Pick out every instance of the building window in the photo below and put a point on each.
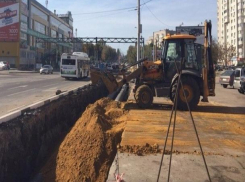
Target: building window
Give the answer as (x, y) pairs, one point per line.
(39, 13)
(53, 33)
(60, 25)
(24, 1)
(39, 27)
(23, 18)
(23, 36)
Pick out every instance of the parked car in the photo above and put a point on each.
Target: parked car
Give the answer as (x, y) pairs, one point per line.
(220, 68)
(4, 65)
(46, 69)
(109, 67)
(227, 78)
(242, 87)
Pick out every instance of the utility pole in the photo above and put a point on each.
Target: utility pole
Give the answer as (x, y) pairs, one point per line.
(139, 31)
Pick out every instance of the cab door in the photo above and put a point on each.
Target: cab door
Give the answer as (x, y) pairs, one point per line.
(171, 55)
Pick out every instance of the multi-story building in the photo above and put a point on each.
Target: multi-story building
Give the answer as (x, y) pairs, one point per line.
(23, 23)
(231, 25)
(156, 41)
(157, 37)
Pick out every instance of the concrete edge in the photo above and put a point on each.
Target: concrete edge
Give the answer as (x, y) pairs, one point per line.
(17, 113)
(10, 116)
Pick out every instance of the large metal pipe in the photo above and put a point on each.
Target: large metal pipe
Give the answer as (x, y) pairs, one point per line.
(123, 93)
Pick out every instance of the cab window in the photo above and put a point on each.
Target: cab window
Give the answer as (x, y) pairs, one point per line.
(190, 54)
(173, 51)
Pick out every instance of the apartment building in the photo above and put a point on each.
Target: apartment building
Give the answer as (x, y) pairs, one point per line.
(231, 26)
(24, 25)
(157, 37)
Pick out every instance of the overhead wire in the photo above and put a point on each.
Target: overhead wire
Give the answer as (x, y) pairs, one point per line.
(156, 16)
(113, 10)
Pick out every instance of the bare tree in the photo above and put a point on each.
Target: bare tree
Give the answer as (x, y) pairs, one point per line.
(226, 52)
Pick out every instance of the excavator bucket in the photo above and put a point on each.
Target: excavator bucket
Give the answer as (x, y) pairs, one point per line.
(107, 78)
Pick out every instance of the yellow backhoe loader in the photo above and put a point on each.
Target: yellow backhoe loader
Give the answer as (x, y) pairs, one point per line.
(159, 79)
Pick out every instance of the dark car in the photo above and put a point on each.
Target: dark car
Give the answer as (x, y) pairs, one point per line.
(227, 78)
(242, 87)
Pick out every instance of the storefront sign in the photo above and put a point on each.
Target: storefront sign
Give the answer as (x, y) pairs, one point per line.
(23, 27)
(9, 21)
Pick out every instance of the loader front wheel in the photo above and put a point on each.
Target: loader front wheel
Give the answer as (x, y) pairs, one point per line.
(192, 93)
(144, 96)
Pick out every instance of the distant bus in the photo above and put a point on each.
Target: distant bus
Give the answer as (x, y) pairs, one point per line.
(75, 65)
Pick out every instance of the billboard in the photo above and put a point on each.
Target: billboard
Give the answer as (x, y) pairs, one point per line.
(9, 22)
(197, 31)
(192, 30)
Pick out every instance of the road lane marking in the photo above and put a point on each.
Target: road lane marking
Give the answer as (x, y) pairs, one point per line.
(50, 84)
(50, 89)
(22, 86)
(21, 92)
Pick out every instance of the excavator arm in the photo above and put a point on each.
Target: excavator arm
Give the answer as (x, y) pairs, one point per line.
(110, 81)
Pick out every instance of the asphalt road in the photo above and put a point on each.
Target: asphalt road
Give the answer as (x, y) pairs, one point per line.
(18, 90)
(227, 96)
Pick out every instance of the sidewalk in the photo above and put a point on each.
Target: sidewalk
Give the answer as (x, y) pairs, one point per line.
(11, 71)
(221, 134)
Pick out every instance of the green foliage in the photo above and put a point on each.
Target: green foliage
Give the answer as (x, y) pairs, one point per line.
(101, 52)
(132, 54)
(108, 54)
(148, 52)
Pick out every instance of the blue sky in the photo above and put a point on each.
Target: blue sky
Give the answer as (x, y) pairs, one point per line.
(155, 15)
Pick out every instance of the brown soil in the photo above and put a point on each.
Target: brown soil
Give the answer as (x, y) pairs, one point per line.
(87, 152)
(140, 150)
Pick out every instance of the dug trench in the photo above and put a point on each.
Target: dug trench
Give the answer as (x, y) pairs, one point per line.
(56, 143)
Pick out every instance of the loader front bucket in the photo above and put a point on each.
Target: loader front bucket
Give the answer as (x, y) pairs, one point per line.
(107, 78)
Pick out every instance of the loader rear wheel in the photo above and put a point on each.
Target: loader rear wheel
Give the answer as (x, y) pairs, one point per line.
(191, 91)
(144, 96)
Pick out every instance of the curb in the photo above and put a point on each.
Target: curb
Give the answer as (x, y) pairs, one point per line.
(11, 72)
(10, 116)
(17, 113)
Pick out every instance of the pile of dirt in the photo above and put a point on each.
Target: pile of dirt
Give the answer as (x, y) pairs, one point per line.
(140, 150)
(148, 149)
(88, 150)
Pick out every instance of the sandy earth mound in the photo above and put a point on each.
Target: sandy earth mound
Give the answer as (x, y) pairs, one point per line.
(87, 152)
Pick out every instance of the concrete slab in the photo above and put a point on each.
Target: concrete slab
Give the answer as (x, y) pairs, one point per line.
(221, 130)
(185, 168)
